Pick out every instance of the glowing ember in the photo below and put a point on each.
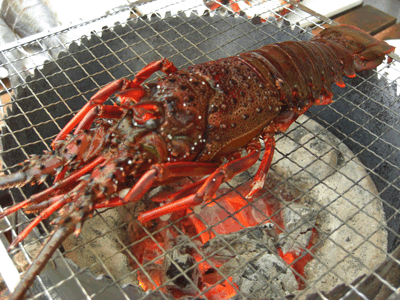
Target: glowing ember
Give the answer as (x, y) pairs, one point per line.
(230, 216)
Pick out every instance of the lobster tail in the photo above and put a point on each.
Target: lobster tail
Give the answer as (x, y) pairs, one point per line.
(367, 51)
(314, 65)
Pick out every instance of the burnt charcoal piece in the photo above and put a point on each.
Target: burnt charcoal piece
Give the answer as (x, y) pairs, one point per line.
(222, 248)
(298, 222)
(188, 265)
(267, 277)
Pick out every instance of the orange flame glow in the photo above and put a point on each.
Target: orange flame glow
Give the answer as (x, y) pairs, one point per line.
(232, 213)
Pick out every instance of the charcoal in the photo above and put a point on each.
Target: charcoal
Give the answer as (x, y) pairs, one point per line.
(188, 265)
(267, 277)
(252, 239)
(298, 221)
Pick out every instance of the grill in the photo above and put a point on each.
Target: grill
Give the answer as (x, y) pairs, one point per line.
(331, 195)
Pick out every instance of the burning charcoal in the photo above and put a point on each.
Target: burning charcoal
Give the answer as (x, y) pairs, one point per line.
(186, 245)
(253, 239)
(266, 277)
(298, 221)
(188, 265)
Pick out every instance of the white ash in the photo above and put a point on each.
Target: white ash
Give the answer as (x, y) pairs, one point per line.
(251, 258)
(298, 220)
(224, 247)
(267, 277)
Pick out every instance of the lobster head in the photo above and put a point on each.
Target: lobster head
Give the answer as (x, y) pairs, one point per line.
(165, 123)
(138, 134)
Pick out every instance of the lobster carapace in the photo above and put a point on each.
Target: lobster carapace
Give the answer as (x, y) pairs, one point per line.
(187, 123)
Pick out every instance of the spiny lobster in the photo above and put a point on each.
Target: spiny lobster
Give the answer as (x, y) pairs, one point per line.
(188, 123)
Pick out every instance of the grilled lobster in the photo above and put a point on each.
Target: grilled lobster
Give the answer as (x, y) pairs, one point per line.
(188, 123)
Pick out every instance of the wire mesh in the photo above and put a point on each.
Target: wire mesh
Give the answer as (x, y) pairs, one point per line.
(184, 257)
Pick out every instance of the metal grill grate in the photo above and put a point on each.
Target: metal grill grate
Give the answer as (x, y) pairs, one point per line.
(312, 165)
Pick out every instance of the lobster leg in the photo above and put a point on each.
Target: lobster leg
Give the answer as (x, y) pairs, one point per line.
(99, 111)
(163, 65)
(186, 191)
(42, 216)
(60, 176)
(190, 189)
(163, 172)
(159, 173)
(262, 171)
(130, 90)
(99, 98)
(280, 124)
(211, 185)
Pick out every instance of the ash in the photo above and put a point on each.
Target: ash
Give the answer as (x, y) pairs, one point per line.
(250, 257)
(299, 220)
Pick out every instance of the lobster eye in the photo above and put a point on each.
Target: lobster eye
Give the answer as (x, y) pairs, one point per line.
(151, 124)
